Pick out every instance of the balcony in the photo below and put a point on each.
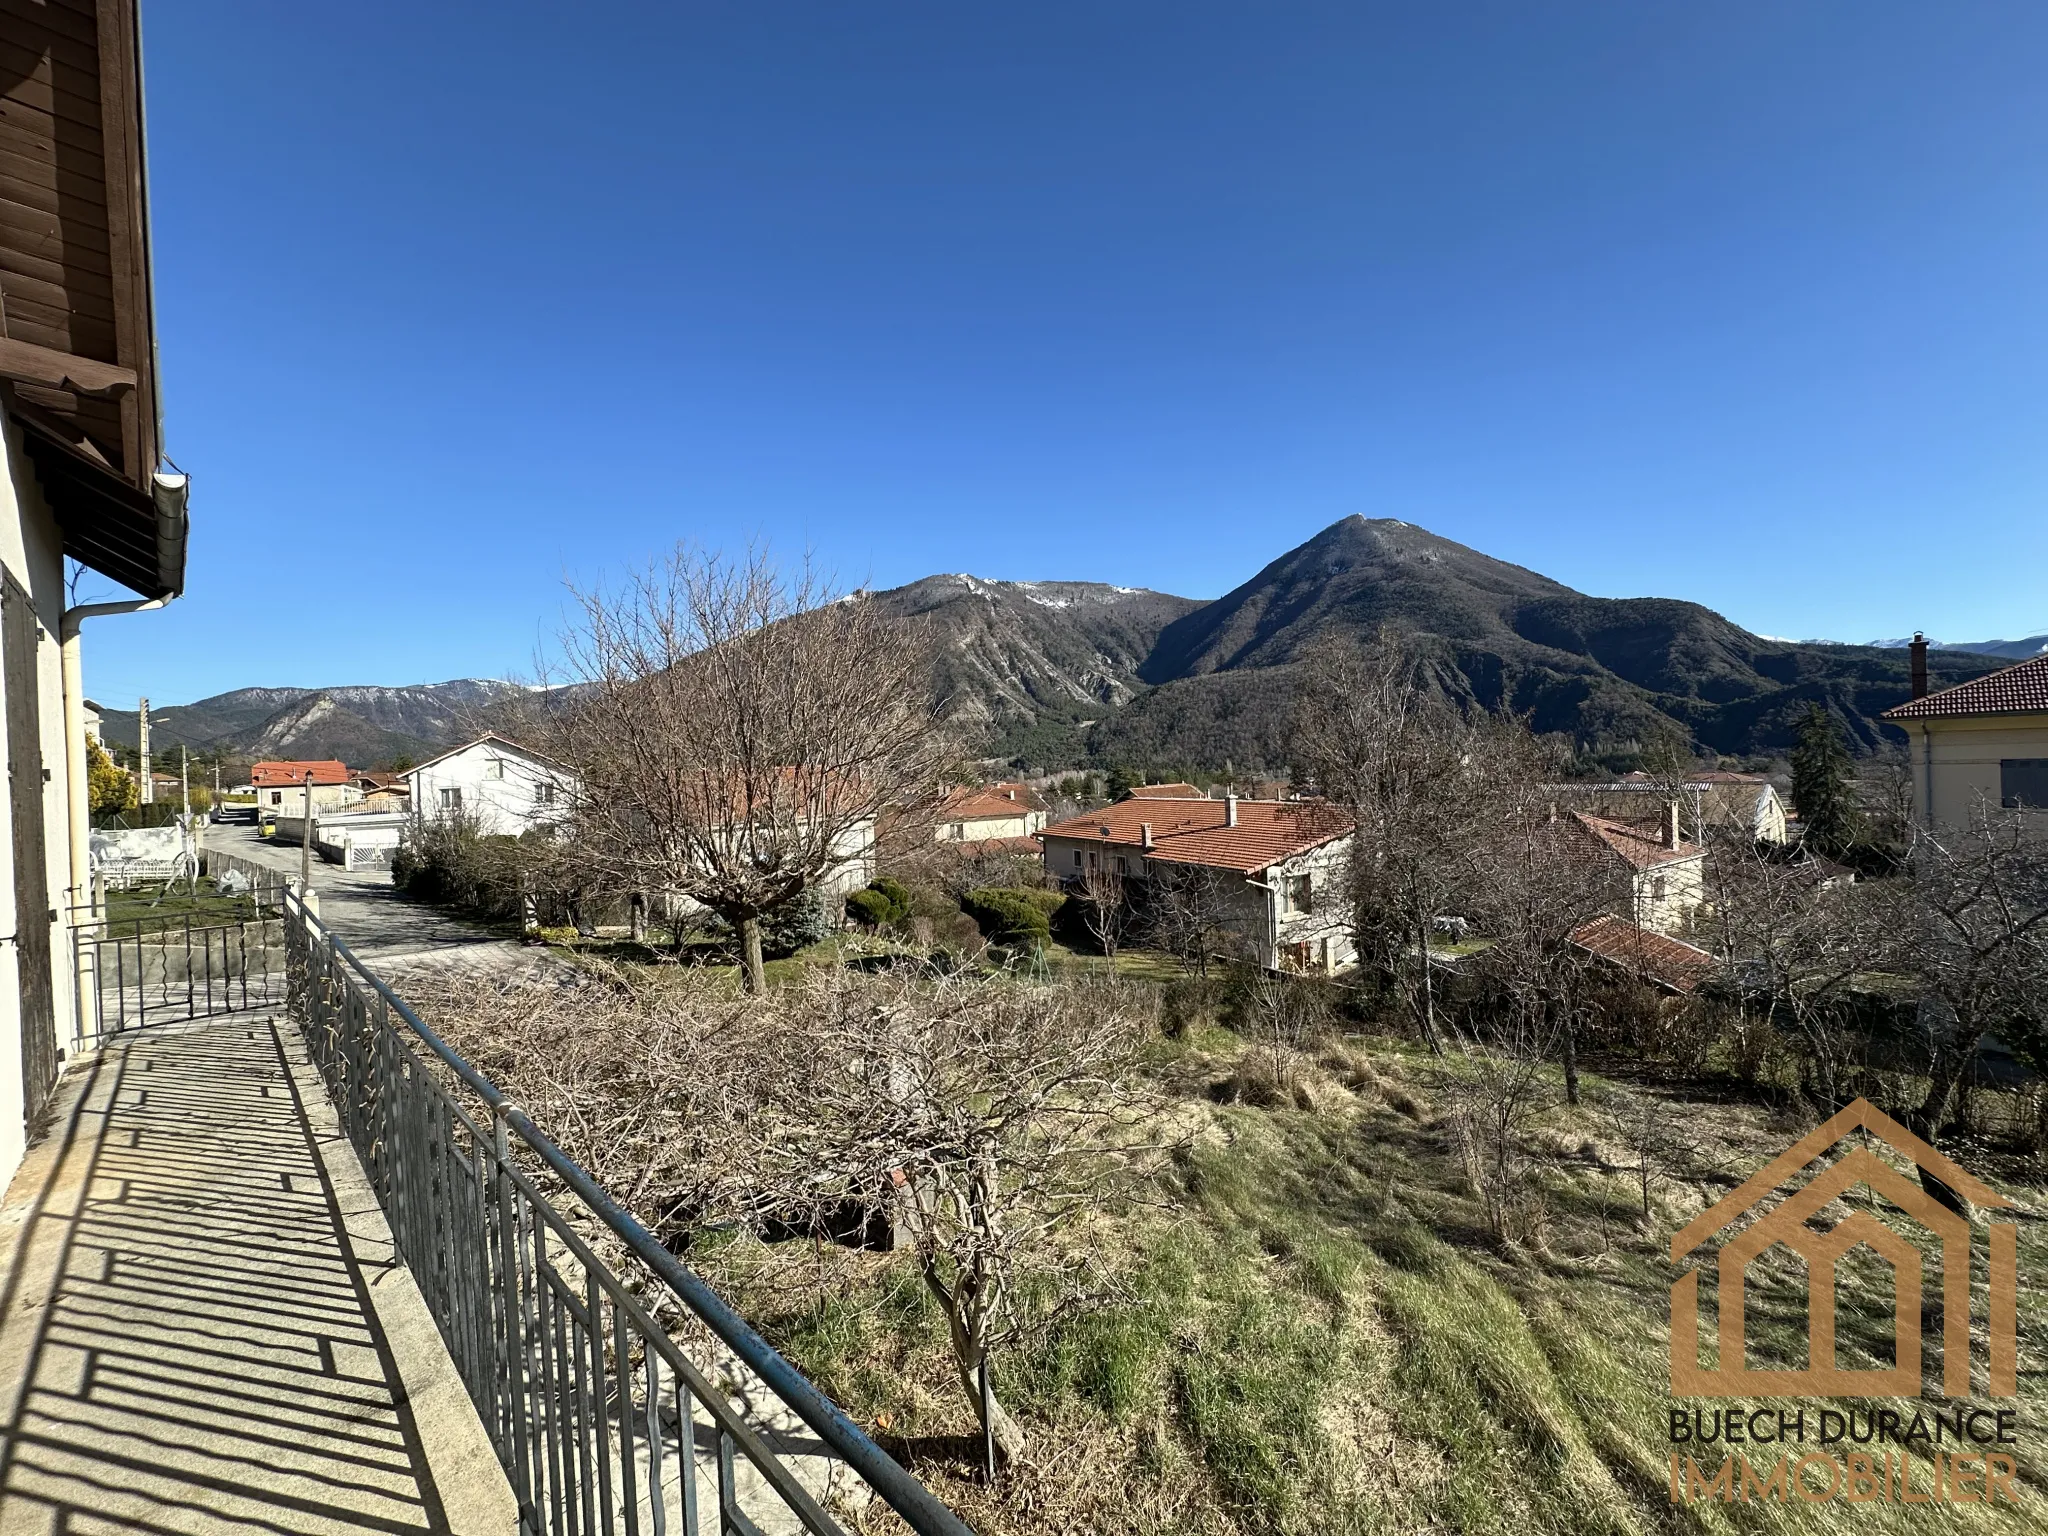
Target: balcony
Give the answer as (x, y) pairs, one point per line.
(299, 1268)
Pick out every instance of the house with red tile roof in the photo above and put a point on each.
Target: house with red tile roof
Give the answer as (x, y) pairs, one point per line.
(1667, 872)
(280, 786)
(1280, 863)
(988, 814)
(1980, 744)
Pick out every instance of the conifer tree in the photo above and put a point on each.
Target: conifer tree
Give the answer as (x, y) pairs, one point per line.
(1822, 784)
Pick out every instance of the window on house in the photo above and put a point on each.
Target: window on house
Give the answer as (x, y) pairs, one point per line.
(1077, 858)
(277, 797)
(1122, 866)
(494, 768)
(543, 794)
(2023, 783)
(1658, 888)
(1297, 894)
(451, 799)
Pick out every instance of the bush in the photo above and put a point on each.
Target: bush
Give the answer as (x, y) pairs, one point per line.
(1013, 916)
(885, 904)
(451, 863)
(795, 925)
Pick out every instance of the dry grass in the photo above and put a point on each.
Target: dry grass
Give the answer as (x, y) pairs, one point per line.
(1316, 1328)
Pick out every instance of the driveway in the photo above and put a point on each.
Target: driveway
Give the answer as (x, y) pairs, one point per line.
(389, 933)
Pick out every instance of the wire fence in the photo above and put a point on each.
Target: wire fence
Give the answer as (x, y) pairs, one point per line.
(601, 1421)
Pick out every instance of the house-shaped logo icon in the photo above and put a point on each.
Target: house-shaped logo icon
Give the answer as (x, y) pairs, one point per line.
(1823, 1251)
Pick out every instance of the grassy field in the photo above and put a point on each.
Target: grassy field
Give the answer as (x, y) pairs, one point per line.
(1317, 1331)
(151, 908)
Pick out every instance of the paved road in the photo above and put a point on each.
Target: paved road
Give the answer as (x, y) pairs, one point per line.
(369, 915)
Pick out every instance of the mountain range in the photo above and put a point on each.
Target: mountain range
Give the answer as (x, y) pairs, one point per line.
(1053, 674)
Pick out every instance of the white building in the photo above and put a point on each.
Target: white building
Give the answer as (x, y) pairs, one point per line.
(992, 813)
(505, 788)
(1281, 862)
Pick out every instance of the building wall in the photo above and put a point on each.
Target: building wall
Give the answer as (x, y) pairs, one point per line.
(982, 829)
(1956, 764)
(1318, 939)
(1669, 895)
(505, 790)
(290, 799)
(31, 550)
(1265, 927)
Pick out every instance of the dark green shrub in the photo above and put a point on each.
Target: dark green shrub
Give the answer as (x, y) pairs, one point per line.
(885, 904)
(1011, 916)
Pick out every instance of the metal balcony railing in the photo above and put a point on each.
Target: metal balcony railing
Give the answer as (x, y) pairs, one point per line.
(601, 1421)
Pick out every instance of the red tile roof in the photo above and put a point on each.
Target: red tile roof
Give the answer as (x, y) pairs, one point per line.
(2017, 690)
(1642, 847)
(986, 802)
(1166, 792)
(1654, 956)
(1192, 831)
(281, 775)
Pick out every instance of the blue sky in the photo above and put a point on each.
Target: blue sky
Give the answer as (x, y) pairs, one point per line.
(1741, 303)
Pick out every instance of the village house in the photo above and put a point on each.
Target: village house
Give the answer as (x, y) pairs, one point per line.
(1983, 743)
(280, 786)
(995, 813)
(1666, 873)
(382, 791)
(1282, 862)
(503, 788)
(1715, 803)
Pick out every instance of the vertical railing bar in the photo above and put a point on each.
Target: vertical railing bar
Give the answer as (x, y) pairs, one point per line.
(598, 1396)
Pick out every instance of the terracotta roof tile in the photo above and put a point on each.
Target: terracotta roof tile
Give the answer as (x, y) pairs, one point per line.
(1655, 956)
(987, 801)
(2017, 690)
(283, 774)
(1193, 831)
(1642, 847)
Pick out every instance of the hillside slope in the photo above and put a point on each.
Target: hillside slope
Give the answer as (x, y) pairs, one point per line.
(1022, 667)
(1611, 673)
(361, 724)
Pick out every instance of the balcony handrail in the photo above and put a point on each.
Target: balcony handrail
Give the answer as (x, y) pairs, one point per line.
(896, 1487)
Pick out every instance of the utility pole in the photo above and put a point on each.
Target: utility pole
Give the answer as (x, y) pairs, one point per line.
(142, 753)
(184, 779)
(306, 842)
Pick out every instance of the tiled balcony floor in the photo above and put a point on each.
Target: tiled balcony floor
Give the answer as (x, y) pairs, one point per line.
(202, 1327)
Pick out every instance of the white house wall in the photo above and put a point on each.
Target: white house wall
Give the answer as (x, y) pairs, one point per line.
(505, 805)
(31, 549)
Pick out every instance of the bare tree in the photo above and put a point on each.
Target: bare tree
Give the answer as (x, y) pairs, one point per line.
(982, 1118)
(1969, 922)
(1377, 743)
(1191, 912)
(1794, 940)
(736, 732)
(1106, 909)
(1541, 878)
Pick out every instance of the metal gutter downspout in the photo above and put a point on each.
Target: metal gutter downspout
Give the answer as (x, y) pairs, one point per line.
(78, 794)
(170, 493)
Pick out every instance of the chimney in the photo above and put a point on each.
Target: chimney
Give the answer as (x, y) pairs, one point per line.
(1145, 834)
(1671, 838)
(1919, 649)
(1010, 794)
(1230, 810)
